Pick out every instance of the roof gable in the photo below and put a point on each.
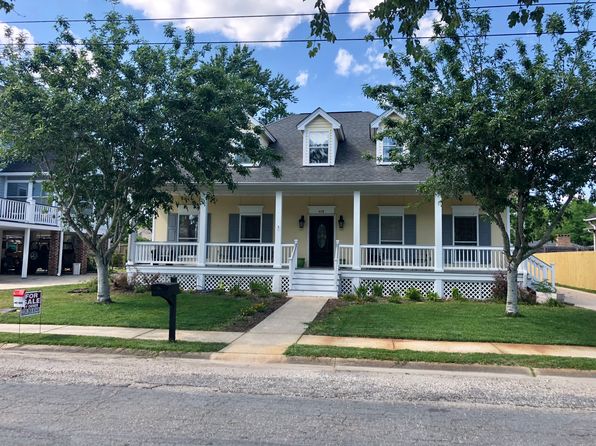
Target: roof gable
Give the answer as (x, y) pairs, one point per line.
(319, 112)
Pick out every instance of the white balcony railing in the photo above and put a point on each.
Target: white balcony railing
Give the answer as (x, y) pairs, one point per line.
(28, 212)
(474, 258)
(166, 253)
(538, 270)
(397, 257)
(345, 256)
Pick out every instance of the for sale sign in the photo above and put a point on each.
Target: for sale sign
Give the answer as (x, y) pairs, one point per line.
(32, 305)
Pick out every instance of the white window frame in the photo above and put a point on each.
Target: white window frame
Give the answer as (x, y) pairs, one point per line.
(250, 211)
(35, 197)
(381, 152)
(29, 188)
(187, 214)
(330, 148)
(465, 211)
(392, 211)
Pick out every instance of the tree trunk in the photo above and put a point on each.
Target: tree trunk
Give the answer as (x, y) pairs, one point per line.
(103, 280)
(511, 309)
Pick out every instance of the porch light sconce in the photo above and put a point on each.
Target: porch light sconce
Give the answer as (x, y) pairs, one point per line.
(341, 222)
(301, 222)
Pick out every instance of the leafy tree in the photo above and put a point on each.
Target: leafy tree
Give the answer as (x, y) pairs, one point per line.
(119, 126)
(407, 14)
(513, 126)
(573, 222)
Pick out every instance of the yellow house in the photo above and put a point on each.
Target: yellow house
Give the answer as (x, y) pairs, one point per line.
(339, 217)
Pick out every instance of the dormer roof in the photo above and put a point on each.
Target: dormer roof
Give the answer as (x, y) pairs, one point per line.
(374, 126)
(319, 112)
(266, 132)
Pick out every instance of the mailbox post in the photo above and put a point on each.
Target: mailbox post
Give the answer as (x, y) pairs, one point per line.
(168, 291)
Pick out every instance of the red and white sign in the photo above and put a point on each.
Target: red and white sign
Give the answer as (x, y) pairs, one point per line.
(18, 298)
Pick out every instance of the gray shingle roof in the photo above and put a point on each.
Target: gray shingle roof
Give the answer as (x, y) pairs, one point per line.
(19, 166)
(350, 166)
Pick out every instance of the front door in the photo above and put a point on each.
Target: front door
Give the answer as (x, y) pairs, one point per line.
(321, 241)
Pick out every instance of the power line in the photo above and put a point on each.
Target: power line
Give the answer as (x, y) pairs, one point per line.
(252, 16)
(340, 39)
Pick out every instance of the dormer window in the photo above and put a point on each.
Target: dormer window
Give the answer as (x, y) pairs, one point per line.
(244, 160)
(318, 147)
(390, 149)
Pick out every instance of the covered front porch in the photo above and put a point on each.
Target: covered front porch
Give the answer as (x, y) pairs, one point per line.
(386, 234)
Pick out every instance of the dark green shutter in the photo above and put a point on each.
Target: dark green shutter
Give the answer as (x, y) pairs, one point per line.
(447, 229)
(409, 229)
(484, 230)
(373, 229)
(209, 228)
(234, 228)
(172, 227)
(267, 228)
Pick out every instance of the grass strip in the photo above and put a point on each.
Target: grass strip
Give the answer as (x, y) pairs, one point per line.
(106, 342)
(403, 356)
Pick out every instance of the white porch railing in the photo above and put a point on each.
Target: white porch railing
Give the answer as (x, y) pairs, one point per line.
(169, 253)
(474, 258)
(336, 265)
(28, 212)
(46, 215)
(538, 270)
(397, 257)
(345, 255)
(256, 254)
(13, 210)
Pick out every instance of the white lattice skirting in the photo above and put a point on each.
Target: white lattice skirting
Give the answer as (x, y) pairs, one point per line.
(189, 282)
(474, 290)
(218, 281)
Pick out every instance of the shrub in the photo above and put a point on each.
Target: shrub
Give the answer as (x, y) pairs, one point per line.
(90, 286)
(259, 289)
(120, 282)
(499, 290)
(236, 291)
(413, 294)
(141, 289)
(349, 297)
(457, 295)
(220, 290)
(377, 290)
(253, 309)
(118, 260)
(526, 296)
(361, 293)
(553, 303)
(395, 297)
(544, 287)
(432, 296)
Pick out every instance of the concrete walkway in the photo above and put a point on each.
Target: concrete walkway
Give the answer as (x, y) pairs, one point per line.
(578, 298)
(13, 282)
(149, 334)
(451, 347)
(270, 339)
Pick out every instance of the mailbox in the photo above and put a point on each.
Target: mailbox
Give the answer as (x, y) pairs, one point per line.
(168, 291)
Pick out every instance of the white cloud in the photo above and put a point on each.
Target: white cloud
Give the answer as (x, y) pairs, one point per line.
(14, 32)
(343, 62)
(302, 78)
(426, 26)
(346, 63)
(267, 28)
(357, 21)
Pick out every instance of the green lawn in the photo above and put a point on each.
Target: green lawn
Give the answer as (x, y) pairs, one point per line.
(403, 356)
(194, 311)
(461, 321)
(104, 342)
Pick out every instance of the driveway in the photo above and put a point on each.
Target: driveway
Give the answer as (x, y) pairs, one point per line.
(579, 298)
(11, 282)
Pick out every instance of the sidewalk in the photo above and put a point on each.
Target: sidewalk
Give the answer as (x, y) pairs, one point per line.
(150, 334)
(31, 282)
(451, 346)
(581, 299)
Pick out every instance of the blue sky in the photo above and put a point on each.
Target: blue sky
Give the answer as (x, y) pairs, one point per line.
(332, 80)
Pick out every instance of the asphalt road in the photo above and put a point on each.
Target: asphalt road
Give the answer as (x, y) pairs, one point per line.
(80, 398)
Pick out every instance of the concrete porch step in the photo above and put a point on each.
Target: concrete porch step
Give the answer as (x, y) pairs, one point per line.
(312, 293)
(313, 287)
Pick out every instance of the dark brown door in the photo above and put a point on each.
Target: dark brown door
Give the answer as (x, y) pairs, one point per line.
(321, 241)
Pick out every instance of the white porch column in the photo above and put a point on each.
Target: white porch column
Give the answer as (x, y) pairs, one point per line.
(202, 247)
(25, 263)
(132, 248)
(60, 253)
(356, 238)
(438, 234)
(277, 254)
(277, 241)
